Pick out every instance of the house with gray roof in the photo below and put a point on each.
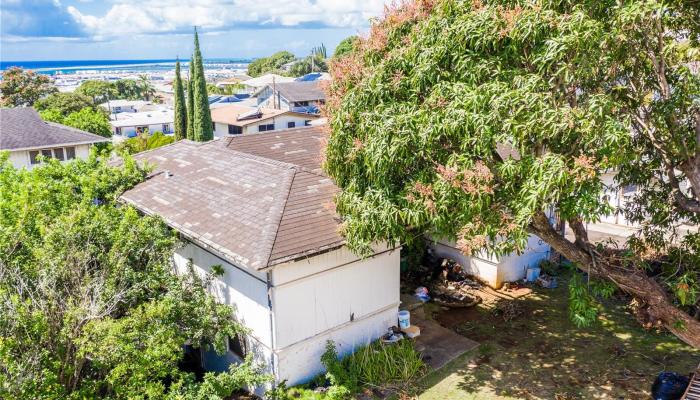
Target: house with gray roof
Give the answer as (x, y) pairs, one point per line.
(26, 137)
(261, 207)
(299, 96)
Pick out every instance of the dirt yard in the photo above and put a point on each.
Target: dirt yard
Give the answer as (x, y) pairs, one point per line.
(530, 350)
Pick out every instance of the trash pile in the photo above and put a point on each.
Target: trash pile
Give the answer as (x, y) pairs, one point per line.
(449, 285)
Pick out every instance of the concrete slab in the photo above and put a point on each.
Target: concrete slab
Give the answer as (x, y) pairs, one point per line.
(439, 345)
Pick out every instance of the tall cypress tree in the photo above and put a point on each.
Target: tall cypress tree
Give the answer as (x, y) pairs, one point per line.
(190, 102)
(203, 130)
(180, 108)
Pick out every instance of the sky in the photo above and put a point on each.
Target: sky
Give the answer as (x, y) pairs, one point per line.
(162, 29)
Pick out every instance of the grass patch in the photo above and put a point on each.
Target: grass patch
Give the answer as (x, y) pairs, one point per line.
(375, 368)
(541, 354)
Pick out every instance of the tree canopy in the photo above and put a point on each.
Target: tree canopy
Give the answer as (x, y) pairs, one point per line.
(89, 304)
(273, 63)
(87, 119)
(345, 46)
(22, 88)
(179, 104)
(471, 121)
(65, 103)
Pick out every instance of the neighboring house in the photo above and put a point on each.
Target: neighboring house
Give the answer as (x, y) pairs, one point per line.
(493, 270)
(120, 106)
(241, 120)
(260, 207)
(26, 136)
(235, 80)
(132, 124)
(218, 100)
(254, 84)
(293, 96)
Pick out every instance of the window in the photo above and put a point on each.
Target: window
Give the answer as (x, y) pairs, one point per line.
(213, 125)
(166, 128)
(118, 130)
(235, 130)
(141, 129)
(266, 127)
(58, 154)
(117, 109)
(291, 124)
(307, 122)
(301, 104)
(237, 345)
(32, 157)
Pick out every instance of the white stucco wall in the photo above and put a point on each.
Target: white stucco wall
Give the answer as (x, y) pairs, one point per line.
(126, 130)
(333, 296)
(496, 270)
(221, 129)
(20, 159)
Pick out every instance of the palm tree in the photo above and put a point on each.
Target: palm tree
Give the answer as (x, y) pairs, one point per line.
(145, 87)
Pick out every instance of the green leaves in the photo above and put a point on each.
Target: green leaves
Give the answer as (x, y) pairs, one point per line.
(89, 304)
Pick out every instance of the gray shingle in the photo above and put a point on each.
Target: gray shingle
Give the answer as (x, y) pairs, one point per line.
(251, 198)
(301, 91)
(23, 128)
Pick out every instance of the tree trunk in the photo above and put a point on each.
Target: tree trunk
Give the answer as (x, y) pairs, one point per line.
(656, 309)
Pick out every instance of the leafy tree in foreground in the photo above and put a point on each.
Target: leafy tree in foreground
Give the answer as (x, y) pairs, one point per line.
(202, 125)
(89, 304)
(180, 106)
(345, 46)
(65, 103)
(22, 88)
(88, 119)
(470, 120)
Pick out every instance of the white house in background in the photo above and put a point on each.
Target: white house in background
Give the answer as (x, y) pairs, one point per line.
(300, 96)
(492, 270)
(235, 80)
(260, 207)
(120, 106)
(254, 84)
(132, 124)
(241, 120)
(26, 136)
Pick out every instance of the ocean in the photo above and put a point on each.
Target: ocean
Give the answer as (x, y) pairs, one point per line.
(61, 67)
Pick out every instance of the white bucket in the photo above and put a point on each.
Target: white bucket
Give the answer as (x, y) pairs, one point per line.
(404, 319)
(532, 274)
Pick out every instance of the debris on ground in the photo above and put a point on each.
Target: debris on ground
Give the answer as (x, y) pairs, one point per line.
(421, 294)
(547, 282)
(508, 309)
(669, 386)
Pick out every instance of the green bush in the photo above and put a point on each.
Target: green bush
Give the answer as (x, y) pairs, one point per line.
(373, 365)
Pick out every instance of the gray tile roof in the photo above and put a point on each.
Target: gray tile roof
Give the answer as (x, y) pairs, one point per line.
(244, 197)
(301, 91)
(23, 128)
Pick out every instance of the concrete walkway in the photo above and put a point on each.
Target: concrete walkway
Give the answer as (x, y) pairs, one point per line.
(437, 344)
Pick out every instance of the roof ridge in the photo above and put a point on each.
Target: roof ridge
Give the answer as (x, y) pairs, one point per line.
(279, 221)
(76, 130)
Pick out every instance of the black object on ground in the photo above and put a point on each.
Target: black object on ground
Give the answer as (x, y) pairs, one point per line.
(669, 386)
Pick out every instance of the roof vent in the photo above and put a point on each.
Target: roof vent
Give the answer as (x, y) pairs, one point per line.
(254, 114)
(167, 174)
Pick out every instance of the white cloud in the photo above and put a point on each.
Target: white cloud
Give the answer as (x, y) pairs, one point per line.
(162, 16)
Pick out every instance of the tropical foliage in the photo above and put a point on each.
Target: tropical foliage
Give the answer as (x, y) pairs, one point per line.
(145, 141)
(128, 89)
(89, 304)
(64, 103)
(474, 121)
(87, 119)
(274, 63)
(22, 88)
(345, 46)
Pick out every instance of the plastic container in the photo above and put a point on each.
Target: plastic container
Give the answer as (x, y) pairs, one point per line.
(404, 319)
(532, 274)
